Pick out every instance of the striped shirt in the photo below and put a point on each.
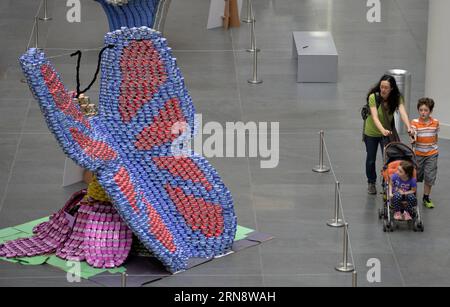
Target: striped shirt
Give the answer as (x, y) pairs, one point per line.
(427, 136)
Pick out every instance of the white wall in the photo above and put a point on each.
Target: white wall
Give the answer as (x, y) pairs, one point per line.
(437, 84)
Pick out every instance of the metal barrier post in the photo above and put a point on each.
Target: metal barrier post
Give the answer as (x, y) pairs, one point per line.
(321, 168)
(250, 16)
(336, 221)
(45, 18)
(255, 79)
(345, 266)
(36, 33)
(253, 38)
(124, 279)
(355, 279)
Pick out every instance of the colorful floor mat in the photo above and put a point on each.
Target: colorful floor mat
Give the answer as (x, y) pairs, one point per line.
(141, 270)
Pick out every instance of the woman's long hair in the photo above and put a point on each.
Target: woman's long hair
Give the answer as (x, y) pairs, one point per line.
(394, 95)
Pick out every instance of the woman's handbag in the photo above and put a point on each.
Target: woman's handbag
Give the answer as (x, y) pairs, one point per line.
(393, 137)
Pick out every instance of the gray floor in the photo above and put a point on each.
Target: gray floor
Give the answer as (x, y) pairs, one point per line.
(290, 201)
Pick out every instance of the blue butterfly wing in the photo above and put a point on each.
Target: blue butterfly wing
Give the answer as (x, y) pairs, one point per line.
(76, 134)
(143, 96)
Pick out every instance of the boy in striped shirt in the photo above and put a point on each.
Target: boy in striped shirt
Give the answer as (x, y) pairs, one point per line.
(426, 130)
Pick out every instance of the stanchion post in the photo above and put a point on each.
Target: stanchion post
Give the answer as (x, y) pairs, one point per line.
(253, 38)
(336, 221)
(45, 18)
(36, 33)
(255, 79)
(124, 279)
(321, 168)
(354, 279)
(250, 16)
(345, 266)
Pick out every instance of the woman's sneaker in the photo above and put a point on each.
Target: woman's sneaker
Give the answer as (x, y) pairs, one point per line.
(407, 216)
(398, 216)
(428, 203)
(372, 189)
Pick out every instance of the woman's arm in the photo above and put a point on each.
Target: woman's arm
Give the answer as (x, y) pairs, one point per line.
(404, 116)
(376, 120)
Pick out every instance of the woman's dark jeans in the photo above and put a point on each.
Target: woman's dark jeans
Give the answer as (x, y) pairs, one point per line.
(372, 144)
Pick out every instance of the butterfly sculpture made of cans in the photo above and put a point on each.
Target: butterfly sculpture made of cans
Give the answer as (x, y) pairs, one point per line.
(177, 206)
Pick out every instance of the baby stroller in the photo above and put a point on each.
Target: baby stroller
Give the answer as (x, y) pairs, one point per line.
(394, 153)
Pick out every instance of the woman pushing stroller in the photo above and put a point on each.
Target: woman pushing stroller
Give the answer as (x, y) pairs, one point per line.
(383, 100)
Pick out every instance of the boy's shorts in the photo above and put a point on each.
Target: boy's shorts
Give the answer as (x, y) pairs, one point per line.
(427, 169)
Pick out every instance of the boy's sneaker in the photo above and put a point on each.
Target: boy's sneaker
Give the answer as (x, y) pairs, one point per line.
(372, 189)
(428, 203)
(407, 216)
(398, 216)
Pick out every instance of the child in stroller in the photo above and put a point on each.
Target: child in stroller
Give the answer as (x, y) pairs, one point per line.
(399, 188)
(402, 190)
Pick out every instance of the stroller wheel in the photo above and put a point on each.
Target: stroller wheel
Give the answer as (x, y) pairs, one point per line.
(380, 213)
(421, 228)
(385, 226)
(391, 226)
(418, 226)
